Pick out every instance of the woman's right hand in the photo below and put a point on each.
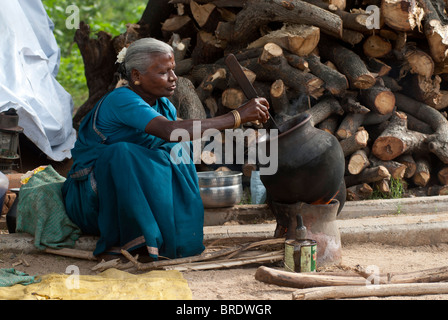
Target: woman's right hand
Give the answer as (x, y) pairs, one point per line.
(256, 109)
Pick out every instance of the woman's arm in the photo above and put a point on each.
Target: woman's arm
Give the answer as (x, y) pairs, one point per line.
(254, 110)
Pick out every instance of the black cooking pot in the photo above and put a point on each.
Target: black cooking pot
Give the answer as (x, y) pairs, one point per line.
(311, 165)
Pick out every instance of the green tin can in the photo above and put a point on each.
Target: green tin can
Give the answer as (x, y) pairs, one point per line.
(300, 256)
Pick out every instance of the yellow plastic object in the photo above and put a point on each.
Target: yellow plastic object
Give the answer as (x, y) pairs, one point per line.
(111, 284)
(26, 177)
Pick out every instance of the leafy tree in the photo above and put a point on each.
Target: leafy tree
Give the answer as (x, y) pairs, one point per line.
(101, 15)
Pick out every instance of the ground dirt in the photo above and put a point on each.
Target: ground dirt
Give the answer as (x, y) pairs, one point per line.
(240, 283)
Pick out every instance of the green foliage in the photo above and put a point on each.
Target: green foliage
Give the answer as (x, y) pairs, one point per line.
(397, 189)
(101, 15)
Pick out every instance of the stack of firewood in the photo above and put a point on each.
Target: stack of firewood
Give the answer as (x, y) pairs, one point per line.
(370, 73)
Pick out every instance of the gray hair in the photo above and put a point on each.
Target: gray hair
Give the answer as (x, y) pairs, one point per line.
(138, 55)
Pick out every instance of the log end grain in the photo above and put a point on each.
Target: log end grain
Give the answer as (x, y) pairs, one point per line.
(388, 148)
(364, 81)
(376, 46)
(385, 102)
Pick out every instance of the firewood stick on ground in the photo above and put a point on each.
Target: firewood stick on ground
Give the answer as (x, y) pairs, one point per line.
(304, 279)
(384, 290)
(72, 253)
(361, 278)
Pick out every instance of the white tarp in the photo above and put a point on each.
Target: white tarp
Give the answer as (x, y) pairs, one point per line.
(29, 61)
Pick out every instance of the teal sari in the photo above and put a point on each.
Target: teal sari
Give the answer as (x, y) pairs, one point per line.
(128, 190)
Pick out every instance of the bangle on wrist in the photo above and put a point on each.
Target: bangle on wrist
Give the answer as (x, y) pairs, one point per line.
(237, 117)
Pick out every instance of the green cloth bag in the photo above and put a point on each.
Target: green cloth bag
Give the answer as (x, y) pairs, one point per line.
(11, 277)
(41, 212)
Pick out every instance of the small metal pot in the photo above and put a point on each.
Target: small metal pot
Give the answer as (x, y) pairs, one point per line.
(220, 188)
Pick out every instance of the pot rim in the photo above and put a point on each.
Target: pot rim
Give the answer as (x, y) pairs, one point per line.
(218, 174)
(307, 118)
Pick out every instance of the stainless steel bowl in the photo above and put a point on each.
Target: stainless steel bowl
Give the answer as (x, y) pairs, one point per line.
(220, 188)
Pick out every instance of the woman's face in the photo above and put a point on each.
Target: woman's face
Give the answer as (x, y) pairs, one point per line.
(159, 80)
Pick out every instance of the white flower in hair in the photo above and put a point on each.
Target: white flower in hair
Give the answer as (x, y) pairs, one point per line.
(121, 55)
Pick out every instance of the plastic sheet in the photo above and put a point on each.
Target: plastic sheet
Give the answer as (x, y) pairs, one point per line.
(29, 62)
(112, 284)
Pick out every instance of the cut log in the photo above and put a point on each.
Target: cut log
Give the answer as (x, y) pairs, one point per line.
(378, 98)
(349, 125)
(211, 105)
(358, 162)
(359, 192)
(323, 109)
(395, 168)
(330, 124)
(436, 190)
(208, 48)
(72, 253)
(258, 13)
(347, 62)
(396, 139)
(426, 275)
(216, 79)
(376, 46)
(272, 65)
(351, 21)
(368, 175)
(203, 14)
(422, 172)
(442, 175)
(391, 83)
(180, 47)
(250, 75)
(426, 90)
(304, 279)
(410, 164)
(401, 15)
(418, 125)
(379, 67)
(298, 39)
(232, 98)
(437, 142)
(405, 289)
(436, 28)
(184, 67)
(416, 61)
(297, 62)
(355, 142)
(334, 81)
(279, 100)
(351, 37)
(382, 186)
(181, 25)
(186, 100)
(351, 104)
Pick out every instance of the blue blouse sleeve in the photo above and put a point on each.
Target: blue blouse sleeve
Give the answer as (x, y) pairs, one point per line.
(126, 107)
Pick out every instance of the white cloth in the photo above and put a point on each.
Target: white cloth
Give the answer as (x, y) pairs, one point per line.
(29, 62)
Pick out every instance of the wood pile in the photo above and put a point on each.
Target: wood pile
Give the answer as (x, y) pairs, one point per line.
(371, 73)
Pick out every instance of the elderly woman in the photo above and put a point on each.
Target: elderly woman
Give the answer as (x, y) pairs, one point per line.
(123, 185)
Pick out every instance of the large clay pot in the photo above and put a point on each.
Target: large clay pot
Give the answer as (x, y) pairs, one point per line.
(310, 165)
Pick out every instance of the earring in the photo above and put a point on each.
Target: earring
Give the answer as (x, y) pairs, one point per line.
(137, 83)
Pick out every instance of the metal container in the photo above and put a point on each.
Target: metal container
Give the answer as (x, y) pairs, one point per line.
(220, 188)
(300, 256)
